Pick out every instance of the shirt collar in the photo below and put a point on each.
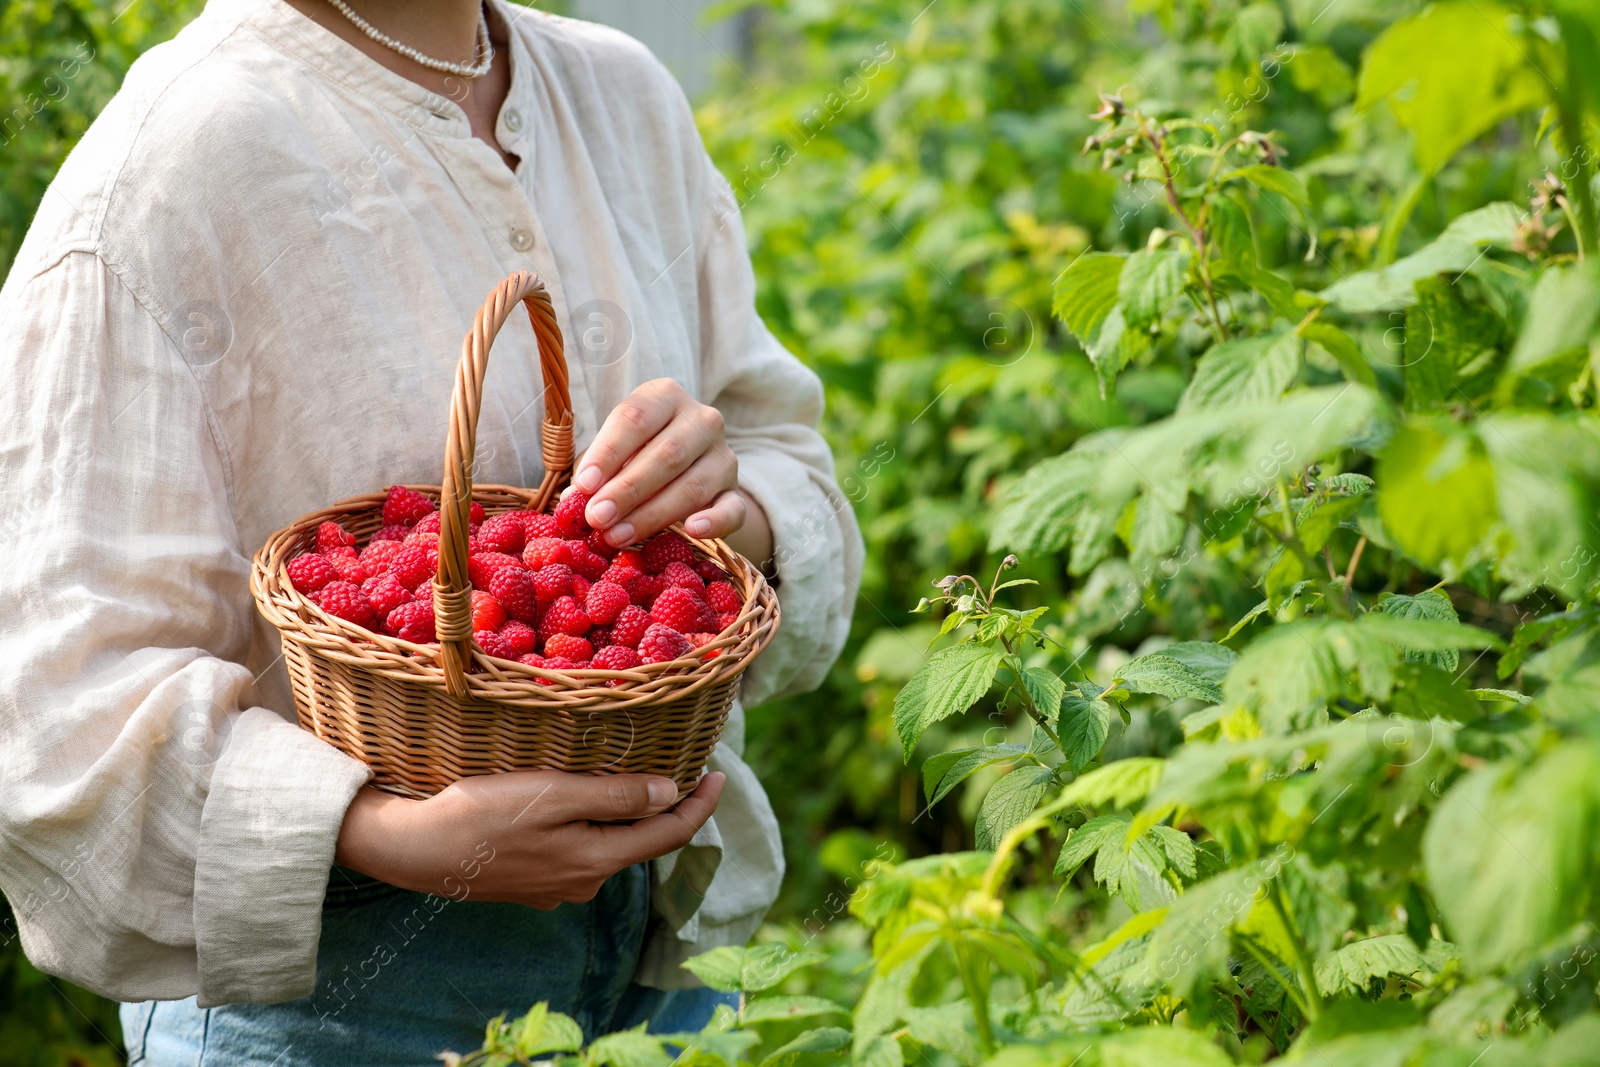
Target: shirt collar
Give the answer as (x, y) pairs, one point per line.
(294, 33)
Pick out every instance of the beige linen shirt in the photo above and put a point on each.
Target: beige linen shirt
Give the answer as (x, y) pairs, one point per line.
(242, 299)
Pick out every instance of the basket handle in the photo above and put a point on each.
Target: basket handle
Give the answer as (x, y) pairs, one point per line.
(452, 589)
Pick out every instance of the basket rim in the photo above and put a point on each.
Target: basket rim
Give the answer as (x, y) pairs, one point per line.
(495, 680)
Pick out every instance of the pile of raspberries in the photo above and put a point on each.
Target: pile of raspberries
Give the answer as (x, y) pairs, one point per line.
(547, 590)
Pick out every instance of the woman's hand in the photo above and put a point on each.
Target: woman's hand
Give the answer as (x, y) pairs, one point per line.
(661, 458)
(539, 838)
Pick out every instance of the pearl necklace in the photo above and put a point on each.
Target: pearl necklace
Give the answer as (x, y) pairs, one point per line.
(464, 70)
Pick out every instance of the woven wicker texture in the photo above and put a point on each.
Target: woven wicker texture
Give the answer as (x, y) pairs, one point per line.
(424, 716)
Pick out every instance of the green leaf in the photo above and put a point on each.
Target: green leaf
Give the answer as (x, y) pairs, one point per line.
(1162, 674)
(1122, 782)
(1085, 724)
(1209, 660)
(1178, 846)
(543, 1030)
(1547, 485)
(1456, 249)
(1349, 969)
(1563, 315)
(1445, 103)
(1317, 528)
(943, 772)
(1150, 281)
(732, 969)
(1285, 183)
(1344, 349)
(768, 1009)
(1243, 371)
(1446, 335)
(1429, 604)
(1089, 839)
(821, 1039)
(883, 1051)
(1511, 854)
(1037, 514)
(950, 682)
(944, 1028)
(628, 1048)
(1147, 1046)
(1045, 688)
(1086, 292)
(1435, 491)
(1009, 801)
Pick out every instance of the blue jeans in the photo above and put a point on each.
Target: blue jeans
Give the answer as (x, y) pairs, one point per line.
(402, 976)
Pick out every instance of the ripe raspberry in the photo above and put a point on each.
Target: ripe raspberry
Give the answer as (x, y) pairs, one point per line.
(708, 571)
(597, 543)
(726, 619)
(332, 535)
(645, 588)
(487, 614)
(310, 572)
(346, 601)
(568, 647)
(388, 532)
(385, 593)
(569, 514)
(722, 596)
(414, 565)
(664, 548)
(621, 574)
(682, 575)
(353, 569)
(519, 636)
(474, 546)
(406, 506)
(615, 658)
(599, 636)
(661, 644)
(541, 525)
(680, 609)
(340, 552)
(629, 557)
(429, 523)
(585, 562)
(513, 587)
(532, 659)
(381, 553)
(504, 533)
(482, 567)
(552, 581)
(700, 640)
(558, 663)
(413, 621)
(580, 588)
(564, 617)
(422, 538)
(605, 602)
(475, 513)
(425, 595)
(630, 626)
(492, 644)
(543, 551)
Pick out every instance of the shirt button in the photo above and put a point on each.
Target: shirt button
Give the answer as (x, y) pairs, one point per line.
(521, 239)
(513, 119)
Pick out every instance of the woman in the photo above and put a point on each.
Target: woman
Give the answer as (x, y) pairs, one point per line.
(243, 299)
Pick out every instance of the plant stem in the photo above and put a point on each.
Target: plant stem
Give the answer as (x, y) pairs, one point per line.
(979, 998)
(1302, 959)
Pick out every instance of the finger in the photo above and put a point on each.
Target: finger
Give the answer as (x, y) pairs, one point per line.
(649, 838)
(639, 418)
(556, 797)
(671, 452)
(709, 476)
(725, 515)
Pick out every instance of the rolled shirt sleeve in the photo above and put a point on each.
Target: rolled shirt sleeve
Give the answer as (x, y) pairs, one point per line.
(162, 833)
(772, 405)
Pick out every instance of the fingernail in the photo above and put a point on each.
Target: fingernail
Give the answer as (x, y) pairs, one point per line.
(698, 527)
(620, 534)
(588, 479)
(661, 791)
(602, 513)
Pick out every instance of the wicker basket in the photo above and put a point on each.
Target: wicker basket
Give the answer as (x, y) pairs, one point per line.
(424, 716)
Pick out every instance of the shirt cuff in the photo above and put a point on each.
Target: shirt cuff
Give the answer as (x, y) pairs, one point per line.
(278, 797)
